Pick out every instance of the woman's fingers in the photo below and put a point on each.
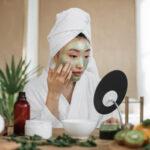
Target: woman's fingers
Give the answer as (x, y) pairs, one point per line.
(50, 73)
(58, 70)
(69, 76)
(66, 69)
(63, 73)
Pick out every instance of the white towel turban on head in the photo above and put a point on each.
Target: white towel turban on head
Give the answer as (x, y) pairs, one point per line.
(69, 24)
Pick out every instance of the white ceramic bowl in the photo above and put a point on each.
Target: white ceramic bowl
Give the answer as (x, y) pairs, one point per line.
(80, 129)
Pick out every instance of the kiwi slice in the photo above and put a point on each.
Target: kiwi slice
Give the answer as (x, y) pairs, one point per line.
(134, 138)
(119, 136)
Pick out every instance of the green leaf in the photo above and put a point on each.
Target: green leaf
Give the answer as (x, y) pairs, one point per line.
(8, 73)
(28, 146)
(13, 68)
(19, 67)
(146, 122)
(146, 147)
(2, 78)
(20, 140)
(88, 143)
(35, 137)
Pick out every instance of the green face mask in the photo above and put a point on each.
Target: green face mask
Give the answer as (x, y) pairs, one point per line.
(81, 46)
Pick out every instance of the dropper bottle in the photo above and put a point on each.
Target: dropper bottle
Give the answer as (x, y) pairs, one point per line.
(21, 114)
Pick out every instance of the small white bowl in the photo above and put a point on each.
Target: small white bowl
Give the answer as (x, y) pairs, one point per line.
(80, 129)
(38, 127)
(2, 125)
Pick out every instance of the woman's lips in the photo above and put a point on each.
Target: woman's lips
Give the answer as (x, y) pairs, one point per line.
(77, 74)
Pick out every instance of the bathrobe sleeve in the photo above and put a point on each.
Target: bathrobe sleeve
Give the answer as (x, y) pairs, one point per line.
(36, 96)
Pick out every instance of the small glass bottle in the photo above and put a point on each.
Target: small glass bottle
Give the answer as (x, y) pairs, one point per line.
(21, 114)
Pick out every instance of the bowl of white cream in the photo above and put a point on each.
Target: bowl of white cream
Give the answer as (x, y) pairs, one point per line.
(80, 129)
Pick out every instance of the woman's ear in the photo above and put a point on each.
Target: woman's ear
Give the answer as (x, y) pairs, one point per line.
(56, 57)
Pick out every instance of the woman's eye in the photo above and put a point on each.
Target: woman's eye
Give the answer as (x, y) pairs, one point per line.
(73, 56)
(87, 57)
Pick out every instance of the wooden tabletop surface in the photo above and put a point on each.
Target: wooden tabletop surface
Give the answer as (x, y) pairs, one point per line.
(101, 144)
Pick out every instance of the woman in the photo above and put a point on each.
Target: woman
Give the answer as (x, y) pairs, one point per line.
(66, 89)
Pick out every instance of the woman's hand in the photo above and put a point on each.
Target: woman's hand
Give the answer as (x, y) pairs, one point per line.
(58, 79)
(112, 120)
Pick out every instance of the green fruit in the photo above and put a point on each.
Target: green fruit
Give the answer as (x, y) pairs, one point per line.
(134, 138)
(119, 136)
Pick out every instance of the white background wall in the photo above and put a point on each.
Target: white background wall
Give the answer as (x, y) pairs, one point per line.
(32, 33)
(143, 51)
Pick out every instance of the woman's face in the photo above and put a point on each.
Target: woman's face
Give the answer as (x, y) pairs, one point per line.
(77, 52)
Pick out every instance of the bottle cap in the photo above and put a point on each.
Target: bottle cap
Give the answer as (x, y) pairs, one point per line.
(22, 94)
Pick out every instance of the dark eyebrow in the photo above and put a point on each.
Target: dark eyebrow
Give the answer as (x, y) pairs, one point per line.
(87, 50)
(79, 50)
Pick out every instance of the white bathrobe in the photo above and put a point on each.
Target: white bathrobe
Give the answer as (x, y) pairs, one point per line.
(68, 25)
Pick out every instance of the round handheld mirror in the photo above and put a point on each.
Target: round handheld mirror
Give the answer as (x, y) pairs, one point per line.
(110, 92)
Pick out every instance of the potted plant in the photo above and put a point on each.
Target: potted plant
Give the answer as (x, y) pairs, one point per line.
(12, 81)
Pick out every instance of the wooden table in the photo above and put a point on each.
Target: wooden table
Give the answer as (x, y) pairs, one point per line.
(101, 144)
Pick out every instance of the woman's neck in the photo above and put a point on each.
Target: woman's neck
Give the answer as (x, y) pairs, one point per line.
(67, 92)
(71, 84)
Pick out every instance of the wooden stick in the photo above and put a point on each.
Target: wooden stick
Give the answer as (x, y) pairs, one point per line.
(126, 109)
(141, 108)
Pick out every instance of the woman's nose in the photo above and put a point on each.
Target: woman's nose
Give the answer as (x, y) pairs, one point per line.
(80, 63)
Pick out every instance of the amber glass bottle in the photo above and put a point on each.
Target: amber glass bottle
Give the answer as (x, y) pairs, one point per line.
(21, 113)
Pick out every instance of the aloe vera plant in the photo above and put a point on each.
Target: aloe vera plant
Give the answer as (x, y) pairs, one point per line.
(11, 82)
